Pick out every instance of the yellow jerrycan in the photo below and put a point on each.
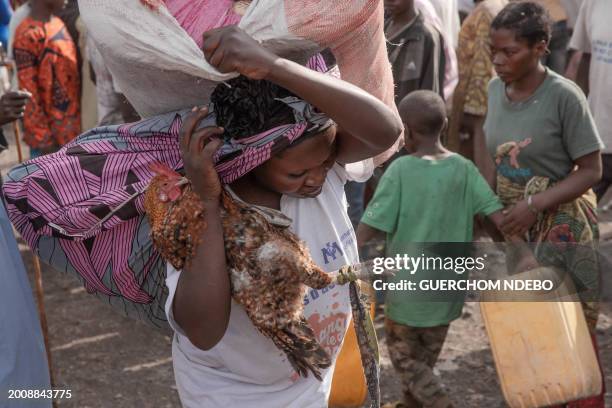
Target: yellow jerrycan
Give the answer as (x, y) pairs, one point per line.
(542, 348)
(349, 388)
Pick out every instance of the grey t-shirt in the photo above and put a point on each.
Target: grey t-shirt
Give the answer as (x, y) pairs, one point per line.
(543, 135)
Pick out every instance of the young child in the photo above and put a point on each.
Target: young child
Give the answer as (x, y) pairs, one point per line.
(47, 68)
(220, 359)
(429, 196)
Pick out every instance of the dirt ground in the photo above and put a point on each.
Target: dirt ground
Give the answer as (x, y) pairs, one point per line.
(107, 360)
(111, 361)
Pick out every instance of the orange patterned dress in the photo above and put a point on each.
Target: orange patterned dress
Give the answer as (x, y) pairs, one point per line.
(47, 67)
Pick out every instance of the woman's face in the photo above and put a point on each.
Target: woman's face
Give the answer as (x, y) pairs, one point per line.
(513, 58)
(300, 171)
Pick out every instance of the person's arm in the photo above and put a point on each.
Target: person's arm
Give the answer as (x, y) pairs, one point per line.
(584, 69)
(578, 69)
(12, 106)
(580, 45)
(367, 127)
(492, 225)
(588, 172)
(36, 122)
(382, 214)
(571, 72)
(367, 234)
(202, 301)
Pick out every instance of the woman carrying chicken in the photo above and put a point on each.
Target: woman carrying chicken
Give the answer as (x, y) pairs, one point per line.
(220, 359)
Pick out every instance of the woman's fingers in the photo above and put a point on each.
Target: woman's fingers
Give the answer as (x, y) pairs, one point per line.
(15, 115)
(216, 59)
(192, 120)
(212, 146)
(202, 138)
(211, 41)
(15, 101)
(13, 112)
(509, 226)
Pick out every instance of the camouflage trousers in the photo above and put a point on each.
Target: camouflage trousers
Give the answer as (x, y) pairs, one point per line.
(414, 352)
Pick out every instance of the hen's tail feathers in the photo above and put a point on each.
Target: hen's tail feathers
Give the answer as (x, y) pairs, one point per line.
(299, 343)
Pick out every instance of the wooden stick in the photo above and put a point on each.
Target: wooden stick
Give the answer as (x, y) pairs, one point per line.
(40, 294)
(17, 134)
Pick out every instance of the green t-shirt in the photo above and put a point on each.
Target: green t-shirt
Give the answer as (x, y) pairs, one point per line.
(543, 135)
(427, 201)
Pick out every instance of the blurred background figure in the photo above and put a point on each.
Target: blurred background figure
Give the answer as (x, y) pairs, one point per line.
(415, 50)
(572, 8)
(69, 14)
(46, 60)
(113, 106)
(23, 365)
(19, 14)
(465, 7)
(89, 103)
(559, 40)
(475, 72)
(591, 67)
(432, 17)
(5, 18)
(448, 11)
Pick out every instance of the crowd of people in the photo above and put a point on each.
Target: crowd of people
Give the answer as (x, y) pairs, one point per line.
(504, 112)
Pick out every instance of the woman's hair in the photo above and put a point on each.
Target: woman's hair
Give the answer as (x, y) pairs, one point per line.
(528, 20)
(246, 107)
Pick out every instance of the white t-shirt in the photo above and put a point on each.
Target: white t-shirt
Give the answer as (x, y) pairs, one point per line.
(448, 12)
(571, 7)
(245, 368)
(18, 16)
(593, 35)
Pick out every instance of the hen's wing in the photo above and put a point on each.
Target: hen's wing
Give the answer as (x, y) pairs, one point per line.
(309, 273)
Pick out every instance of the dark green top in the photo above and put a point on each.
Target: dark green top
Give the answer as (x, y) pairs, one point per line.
(546, 133)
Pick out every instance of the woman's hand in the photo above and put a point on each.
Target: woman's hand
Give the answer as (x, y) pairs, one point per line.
(518, 219)
(230, 49)
(198, 148)
(12, 106)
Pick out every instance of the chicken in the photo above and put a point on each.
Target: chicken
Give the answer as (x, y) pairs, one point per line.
(269, 267)
(176, 216)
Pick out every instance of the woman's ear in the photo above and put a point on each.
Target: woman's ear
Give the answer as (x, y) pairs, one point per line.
(541, 48)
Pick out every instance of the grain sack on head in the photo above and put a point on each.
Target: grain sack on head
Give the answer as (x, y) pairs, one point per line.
(151, 47)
